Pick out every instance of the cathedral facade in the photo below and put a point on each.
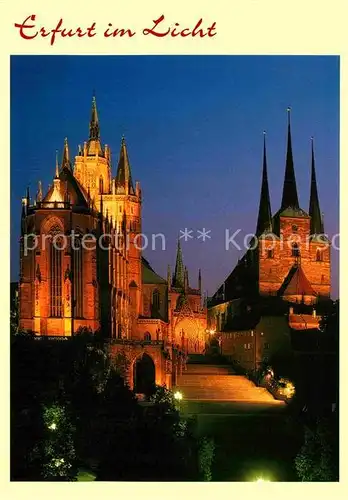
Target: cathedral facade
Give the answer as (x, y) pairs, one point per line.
(81, 268)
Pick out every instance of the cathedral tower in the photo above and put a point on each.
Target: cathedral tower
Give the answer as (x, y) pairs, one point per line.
(294, 261)
(93, 163)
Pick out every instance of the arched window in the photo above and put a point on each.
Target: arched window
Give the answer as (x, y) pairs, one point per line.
(77, 255)
(101, 185)
(295, 251)
(319, 255)
(55, 259)
(147, 336)
(270, 253)
(155, 301)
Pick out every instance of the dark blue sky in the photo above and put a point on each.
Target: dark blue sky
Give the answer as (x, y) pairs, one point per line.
(193, 126)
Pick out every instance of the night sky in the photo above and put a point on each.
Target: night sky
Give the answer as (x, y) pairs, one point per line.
(194, 129)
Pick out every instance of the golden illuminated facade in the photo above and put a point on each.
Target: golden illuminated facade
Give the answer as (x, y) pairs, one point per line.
(81, 267)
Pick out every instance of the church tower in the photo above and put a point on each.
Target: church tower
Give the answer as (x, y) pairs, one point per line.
(294, 257)
(93, 163)
(120, 202)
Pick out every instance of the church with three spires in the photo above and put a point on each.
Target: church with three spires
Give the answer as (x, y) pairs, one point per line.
(81, 268)
(285, 271)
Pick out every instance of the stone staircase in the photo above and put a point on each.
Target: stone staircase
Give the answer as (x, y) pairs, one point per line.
(217, 382)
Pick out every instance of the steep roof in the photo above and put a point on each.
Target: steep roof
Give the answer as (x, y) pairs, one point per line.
(289, 198)
(150, 277)
(264, 220)
(67, 185)
(179, 273)
(296, 283)
(124, 183)
(317, 226)
(94, 144)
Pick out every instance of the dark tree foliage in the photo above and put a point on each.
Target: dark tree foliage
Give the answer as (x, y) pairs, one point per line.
(71, 408)
(318, 457)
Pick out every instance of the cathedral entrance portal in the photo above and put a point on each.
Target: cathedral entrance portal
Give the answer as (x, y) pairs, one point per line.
(144, 375)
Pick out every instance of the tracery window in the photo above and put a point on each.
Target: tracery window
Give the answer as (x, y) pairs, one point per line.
(155, 301)
(319, 255)
(77, 255)
(55, 256)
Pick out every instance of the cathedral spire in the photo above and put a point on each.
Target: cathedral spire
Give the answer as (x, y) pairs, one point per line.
(317, 226)
(290, 198)
(169, 277)
(179, 273)
(124, 183)
(264, 220)
(66, 158)
(94, 131)
(39, 192)
(57, 166)
(186, 279)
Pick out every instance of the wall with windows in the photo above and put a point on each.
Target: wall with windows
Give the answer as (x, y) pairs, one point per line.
(250, 348)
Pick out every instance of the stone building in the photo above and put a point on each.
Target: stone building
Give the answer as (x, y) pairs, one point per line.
(81, 267)
(285, 271)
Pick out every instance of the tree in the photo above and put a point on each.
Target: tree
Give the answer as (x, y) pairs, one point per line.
(206, 457)
(318, 457)
(56, 451)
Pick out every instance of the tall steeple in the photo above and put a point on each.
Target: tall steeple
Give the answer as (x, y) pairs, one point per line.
(169, 278)
(290, 198)
(124, 183)
(317, 226)
(57, 166)
(179, 273)
(39, 192)
(264, 220)
(93, 146)
(94, 131)
(66, 158)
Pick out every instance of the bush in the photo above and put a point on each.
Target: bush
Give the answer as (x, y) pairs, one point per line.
(206, 454)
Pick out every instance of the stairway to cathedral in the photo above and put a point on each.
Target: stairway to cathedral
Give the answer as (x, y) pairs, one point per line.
(206, 381)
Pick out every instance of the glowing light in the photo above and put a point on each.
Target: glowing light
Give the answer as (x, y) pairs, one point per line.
(211, 331)
(53, 426)
(178, 395)
(261, 480)
(287, 388)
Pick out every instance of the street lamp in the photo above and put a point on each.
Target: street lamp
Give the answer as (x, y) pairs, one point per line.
(178, 395)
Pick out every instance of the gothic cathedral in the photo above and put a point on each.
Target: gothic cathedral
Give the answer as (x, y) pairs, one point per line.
(81, 268)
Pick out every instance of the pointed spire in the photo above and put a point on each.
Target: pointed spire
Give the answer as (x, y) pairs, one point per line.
(39, 192)
(169, 277)
(317, 225)
(23, 216)
(290, 198)
(179, 273)
(57, 166)
(186, 283)
(199, 281)
(124, 183)
(66, 158)
(28, 197)
(264, 220)
(94, 131)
